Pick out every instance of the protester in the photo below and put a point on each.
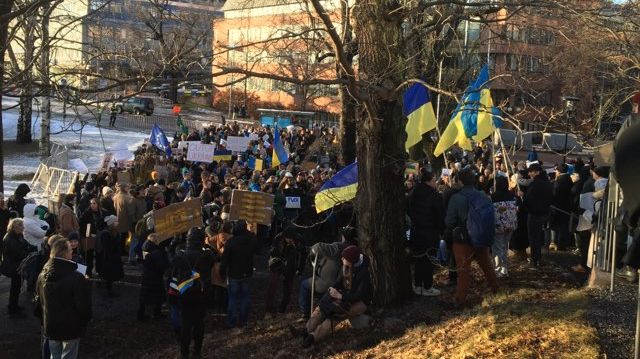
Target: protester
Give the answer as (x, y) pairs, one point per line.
(35, 229)
(284, 262)
(348, 298)
(506, 222)
(92, 220)
(64, 302)
(465, 252)
(108, 250)
(14, 249)
(126, 212)
(152, 289)
(17, 201)
(5, 216)
(106, 203)
(217, 242)
(67, 217)
(237, 266)
(562, 203)
(425, 208)
(537, 201)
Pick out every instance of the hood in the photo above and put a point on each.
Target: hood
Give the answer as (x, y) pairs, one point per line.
(30, 211)
(22, 190)
(57, 268)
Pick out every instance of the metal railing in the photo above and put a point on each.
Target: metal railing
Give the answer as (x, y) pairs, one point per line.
(604, 249)
(166, 122)
(53, 177)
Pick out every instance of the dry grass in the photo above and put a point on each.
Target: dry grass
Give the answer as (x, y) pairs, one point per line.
(527, 323)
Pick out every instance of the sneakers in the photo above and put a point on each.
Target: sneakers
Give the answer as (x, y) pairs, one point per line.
(431, 292)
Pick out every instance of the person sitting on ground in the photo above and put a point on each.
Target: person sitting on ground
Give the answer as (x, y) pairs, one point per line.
(348, 298)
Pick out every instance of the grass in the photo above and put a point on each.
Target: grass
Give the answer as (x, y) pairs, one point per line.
(526, 323)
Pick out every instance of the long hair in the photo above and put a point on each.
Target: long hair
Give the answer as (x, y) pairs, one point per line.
(14, 222)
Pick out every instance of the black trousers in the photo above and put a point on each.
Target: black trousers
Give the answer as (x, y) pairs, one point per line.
(423, 272)
(192, 328)
(112, 120)
(583, 245)
(14, 292)
(90, 256)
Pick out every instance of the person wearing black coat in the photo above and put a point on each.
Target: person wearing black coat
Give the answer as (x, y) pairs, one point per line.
(108, 249)
(153, 291)
(17, 201)
(14, 249)
(537, 202)
(63, 301)
(237, 266)
(192, 304)
(563, 204)
(92, 217)
(5, 216)
(425, 208)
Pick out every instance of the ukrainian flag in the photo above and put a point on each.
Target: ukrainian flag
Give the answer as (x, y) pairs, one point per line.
(222, 155)
(280, 155)
(475, 116)
(419, 111)
(342, 187)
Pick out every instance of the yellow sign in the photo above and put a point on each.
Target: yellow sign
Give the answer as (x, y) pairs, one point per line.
(177, 218)
(253, 207)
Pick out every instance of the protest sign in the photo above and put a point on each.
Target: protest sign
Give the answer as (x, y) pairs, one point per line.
(105, 163)
(254, 137)
(200, 152)
(177, 218)
(185, 144)
(253, 207)
(411, 168)
(237, 143)
(446, 172)
(78, 165)
(293, 202)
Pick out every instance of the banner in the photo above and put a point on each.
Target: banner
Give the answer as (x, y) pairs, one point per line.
(237, 144)
(253, 207)
(200, 152)
(177, 218)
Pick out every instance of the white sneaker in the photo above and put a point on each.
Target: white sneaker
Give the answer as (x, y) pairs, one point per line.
(431, 292)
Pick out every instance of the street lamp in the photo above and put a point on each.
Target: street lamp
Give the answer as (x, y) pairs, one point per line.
(570, 103)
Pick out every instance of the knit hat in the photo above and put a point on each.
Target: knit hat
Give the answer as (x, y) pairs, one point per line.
(351, 254)
(110, 220)
(73, 236)
(106, 191)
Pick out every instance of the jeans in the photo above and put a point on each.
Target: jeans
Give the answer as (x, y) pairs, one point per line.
(67, 349)
(238, 307)
(535, 226)
(44, 341)
(14, 292)
(304, 297)
(176, 318)
(500, 249)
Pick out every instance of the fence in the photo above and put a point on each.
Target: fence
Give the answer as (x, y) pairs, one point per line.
(604, 249)
(53, 178)
(166, 122)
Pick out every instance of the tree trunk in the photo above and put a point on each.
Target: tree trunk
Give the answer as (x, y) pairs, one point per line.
(380, 151)
(45, 123)
(26, 95)
(347, 126)
(5, 8)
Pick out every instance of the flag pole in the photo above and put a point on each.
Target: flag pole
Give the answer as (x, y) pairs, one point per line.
(446, 162)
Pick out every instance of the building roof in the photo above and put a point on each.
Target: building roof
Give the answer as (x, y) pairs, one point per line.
(252, 4)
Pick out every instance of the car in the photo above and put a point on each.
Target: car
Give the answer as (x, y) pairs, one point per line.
(136, 106)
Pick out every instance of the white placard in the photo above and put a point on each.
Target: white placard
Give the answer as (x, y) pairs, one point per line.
(293, 202)
(253, 136)
(446, 172)
(237, 144)
(265, 138)
(82, 269)
(183, 144)
(78, 165)
(200, 152)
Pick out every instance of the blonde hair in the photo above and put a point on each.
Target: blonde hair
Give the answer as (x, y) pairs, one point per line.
(54, 238)
(13, 223)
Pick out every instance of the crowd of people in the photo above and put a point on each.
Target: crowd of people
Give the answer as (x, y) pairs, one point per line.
(106, 222)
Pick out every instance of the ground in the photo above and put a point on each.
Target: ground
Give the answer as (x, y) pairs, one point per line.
(546, 314)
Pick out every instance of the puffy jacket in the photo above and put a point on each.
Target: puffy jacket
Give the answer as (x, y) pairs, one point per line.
(539, 196)
(237, 258)
(328, 264)
(64, 297)
(35, 229)
(360, 284)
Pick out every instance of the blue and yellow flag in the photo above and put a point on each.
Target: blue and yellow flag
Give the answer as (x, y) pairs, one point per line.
(475, 116)
(279, 153)
(222, 155)
(419, 111)
(342, 187)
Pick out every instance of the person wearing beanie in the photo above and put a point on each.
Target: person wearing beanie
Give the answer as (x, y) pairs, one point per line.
(188, 307)
(348, 298)
(108, 249)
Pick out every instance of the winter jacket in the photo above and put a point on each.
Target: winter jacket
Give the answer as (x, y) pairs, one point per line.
(14, 249)
(5, 217)
(92, 218)
(64, 297)
(425, 208)
(108, 260)
(328, 264)
(539, 196)
(361, 290)
(17, 201)
(125, 210)
(237, 259)
(284, 258)
(140, 209)
(194, 258)
(68, 220)
(562, 199)
(156, 263)
(458, 208)
(35, 229)
(107, 206)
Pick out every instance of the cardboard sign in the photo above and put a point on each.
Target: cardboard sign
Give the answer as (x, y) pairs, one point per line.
(293, 203)
(259, 165)
(253, 207)
(177, 218)
(237, 143)
(200, 152)
(105, 163)
(124, 177)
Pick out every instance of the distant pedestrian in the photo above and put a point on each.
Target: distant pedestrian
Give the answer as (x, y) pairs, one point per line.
(114, 113)
(64, 302)
(533, 155)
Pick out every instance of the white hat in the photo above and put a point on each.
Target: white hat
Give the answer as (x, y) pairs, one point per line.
(106, 190)
(288, 175)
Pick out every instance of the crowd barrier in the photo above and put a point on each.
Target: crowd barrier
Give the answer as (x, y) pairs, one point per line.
(53, 178)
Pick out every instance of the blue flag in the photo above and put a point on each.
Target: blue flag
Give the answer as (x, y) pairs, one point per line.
(159, 140)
